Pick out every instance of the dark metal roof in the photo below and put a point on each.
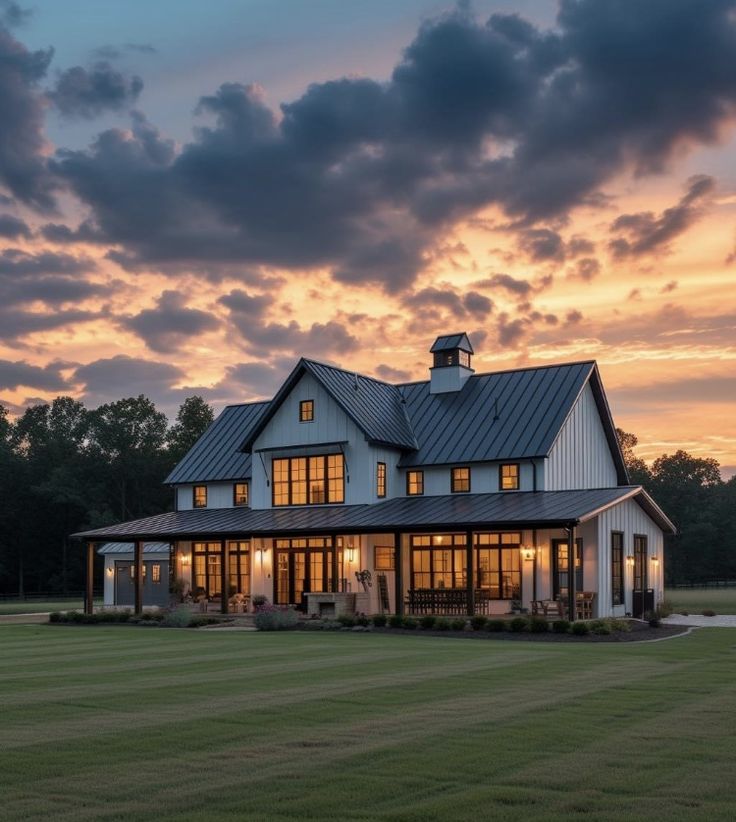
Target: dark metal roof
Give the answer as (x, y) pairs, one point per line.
(504, 415)
(449, 342)
(500, 510)
(216, 455)
(374, 406)
(127, 548)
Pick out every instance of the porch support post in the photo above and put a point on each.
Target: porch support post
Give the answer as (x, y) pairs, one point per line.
(335, 564)
(89, 591)
(470, 572)
(138, 576)
(398, 573)
(534, 566)
(571, 572)
(225, 576)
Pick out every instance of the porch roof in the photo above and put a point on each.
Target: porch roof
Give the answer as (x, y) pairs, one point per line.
(528, 509)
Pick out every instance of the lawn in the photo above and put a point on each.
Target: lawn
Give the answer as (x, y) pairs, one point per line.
(131, 723)
(41, 606)
(721, 600)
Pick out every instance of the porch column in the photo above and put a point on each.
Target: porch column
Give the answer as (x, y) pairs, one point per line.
(470, 572)
(172, 571)
(89, 591)
(225, 576)
(398, 573)
(138, 576)
(335, 565)
(571, 572)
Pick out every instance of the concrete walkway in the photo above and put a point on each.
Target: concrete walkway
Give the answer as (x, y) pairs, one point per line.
(700, 621)
(23, 619)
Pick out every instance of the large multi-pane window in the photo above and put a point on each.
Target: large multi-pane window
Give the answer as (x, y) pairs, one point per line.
(641, 579)
(617, 568)
(240, 493)
(309, 480)
(498, 564)
(414, 483)
(199, 496)
(508, 476)
(207, 571)
(438, 561)
(380, 479)
(460, 480)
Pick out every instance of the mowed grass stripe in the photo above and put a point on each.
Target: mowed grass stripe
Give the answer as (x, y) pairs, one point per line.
(412, 746)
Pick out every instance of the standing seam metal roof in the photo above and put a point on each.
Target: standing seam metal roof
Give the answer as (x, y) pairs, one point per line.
(449, 342)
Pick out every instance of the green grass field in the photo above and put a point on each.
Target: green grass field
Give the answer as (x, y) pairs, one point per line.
(42, 606)
(133, 723)
(721, 600)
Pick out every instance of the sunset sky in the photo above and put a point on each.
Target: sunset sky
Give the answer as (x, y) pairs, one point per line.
(193, 195)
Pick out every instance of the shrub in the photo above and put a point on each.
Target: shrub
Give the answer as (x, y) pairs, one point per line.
(396, 621)
(600, 627)
(684, 613)
(179, 618)
(258, 601)
(346, 620)
(362, 620)
(619, 624)
(538, 625)
(653, 618)
(518, 624)
(273, 618)
(708, 612)
(427, 622)
(458, 624)
(55, 616)
(379, 620)
(561, 626)
(200, 621)
(442, 624)
(495, 625)
(665, 608)
(580, 628)
(478, 622)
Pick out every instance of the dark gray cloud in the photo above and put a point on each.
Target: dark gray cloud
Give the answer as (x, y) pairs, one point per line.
(102, 379)
(522, 288)
(448, 299)
(12, 14)
(360, 176)
(645, 232)
(16, 323)
(542, 244)
(170, 324)
(13, 227)
(21, 374)
(249, 380)
(391, 374)
(110, 52)
(88, 92)
(718, 388)
(587, 268)
(23, 170)
(18, 263)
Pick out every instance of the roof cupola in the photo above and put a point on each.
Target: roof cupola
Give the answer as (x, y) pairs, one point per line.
(451, 366)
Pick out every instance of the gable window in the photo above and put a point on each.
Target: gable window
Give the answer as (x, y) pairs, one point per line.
(460, 480)
(414, 483)
(199, 496)
(383, 557)
(508, 476)
(309, 480)
(380, 479)
(617, 568)
(306, 411)
(240, 493)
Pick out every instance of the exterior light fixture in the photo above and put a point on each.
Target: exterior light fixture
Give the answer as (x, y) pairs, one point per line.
(110, 570)
(528, 552)
(655, 559)
(185, 559)
(351, 553)
(630, 560)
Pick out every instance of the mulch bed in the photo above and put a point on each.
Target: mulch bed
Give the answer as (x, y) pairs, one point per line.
(640, 631)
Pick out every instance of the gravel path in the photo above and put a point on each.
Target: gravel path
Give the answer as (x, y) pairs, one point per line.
(720, 621)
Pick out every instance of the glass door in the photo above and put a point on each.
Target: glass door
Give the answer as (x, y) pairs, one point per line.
(561, 567)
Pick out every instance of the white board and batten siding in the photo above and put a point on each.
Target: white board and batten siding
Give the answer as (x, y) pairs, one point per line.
(631, 520)
(219, 495)
(581, 456)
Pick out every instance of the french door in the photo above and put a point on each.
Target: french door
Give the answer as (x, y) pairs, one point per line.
(301, 568)
(643, 595)
(561, 567)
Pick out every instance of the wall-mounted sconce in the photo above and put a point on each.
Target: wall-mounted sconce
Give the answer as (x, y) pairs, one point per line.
(655, 560)
(110, 570)
(351, 553)
(630, 560)
(528, 552)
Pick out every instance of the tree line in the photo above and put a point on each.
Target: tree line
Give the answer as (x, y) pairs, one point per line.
(67, 468)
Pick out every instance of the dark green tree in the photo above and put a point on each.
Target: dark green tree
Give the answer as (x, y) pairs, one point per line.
(192, 420)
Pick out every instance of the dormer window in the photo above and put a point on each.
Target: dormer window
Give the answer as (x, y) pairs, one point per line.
(508, 476)
(460, 480)
(199, 496)
(240, 493)
(414, 483)
(306, 411)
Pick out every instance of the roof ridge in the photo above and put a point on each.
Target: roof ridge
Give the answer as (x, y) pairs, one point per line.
(243, 404)
(507, 371)
(351, 372)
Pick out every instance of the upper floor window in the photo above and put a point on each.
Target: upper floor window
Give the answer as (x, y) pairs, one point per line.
(380, 479)
(414, 483)
(199, 496)
(240, 493)
(309, 480)
(508, 477)
(460, 480)
(306, 411)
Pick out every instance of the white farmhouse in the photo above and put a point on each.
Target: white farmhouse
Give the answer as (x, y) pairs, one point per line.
(464, 493)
